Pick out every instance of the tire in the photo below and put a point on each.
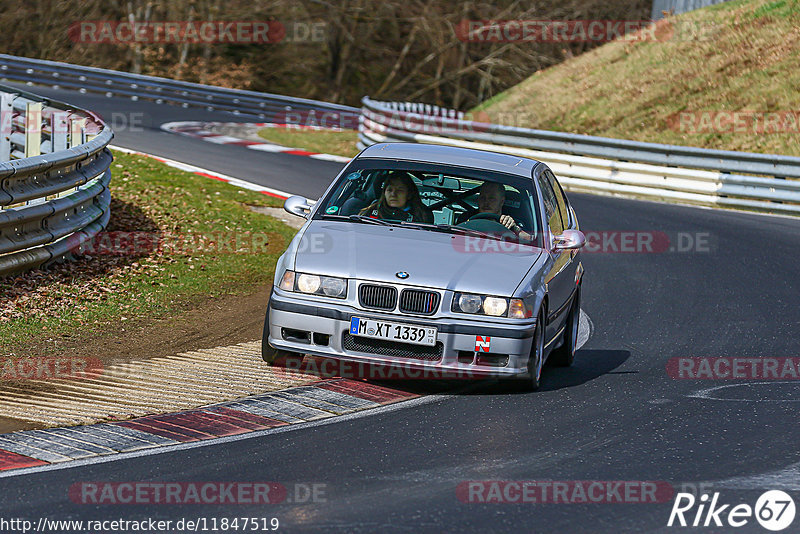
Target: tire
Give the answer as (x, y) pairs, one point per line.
(564, 356)
(535, 360)
(281, 358)
(278, 357)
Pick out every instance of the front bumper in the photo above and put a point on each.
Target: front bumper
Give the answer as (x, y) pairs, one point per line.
(322, 329)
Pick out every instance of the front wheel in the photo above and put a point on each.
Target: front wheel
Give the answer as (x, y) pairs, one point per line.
(277, 357)
(536, 358)
(564, 355)
(281, 358)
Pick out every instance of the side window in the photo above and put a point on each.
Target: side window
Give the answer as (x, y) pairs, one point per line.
(550, 205)
(560, 199)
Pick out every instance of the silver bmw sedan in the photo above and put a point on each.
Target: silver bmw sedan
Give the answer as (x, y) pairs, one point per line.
(435, 261)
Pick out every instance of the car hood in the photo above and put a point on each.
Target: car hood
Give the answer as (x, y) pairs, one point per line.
(432, 259)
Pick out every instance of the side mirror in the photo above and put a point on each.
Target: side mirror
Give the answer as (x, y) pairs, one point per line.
(569, 240)
(297, 205)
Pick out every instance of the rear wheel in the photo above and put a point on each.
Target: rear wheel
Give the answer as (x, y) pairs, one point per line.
(564, 355)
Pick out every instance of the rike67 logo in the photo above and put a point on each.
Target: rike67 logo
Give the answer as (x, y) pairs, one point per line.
(774, 510)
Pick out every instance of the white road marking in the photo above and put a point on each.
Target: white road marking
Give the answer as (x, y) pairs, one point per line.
(709, 393)
(236, 182)
(787, 478)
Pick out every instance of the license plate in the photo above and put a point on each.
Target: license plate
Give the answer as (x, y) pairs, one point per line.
(404, 333)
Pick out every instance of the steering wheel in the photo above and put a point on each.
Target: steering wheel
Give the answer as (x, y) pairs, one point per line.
(491, 218)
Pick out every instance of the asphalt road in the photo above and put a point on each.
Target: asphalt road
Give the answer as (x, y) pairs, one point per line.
(615, 416)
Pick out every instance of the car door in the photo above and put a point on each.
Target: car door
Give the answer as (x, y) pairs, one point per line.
(561, 278)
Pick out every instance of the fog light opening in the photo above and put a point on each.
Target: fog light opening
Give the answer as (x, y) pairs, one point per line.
(321, 339)
(466, 356)
(299, 336)
(492, 360)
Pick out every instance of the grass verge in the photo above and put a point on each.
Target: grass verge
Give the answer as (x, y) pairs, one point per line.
(196, 239)
(324, 141)
(735, 56)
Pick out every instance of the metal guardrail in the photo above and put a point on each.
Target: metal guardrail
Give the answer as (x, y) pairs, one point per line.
(249, 104)
(762, 182)
(54, 176)
(678, 6)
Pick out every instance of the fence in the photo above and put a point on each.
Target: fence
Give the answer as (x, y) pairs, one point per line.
(247, 104)
(54, 176)
(761, 182)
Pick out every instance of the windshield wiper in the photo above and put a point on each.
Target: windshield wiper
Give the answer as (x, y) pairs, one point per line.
(370, 220)
(468, 231)
(447, 228)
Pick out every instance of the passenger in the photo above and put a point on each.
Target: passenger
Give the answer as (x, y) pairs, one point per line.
(399, 201)
(491, 198)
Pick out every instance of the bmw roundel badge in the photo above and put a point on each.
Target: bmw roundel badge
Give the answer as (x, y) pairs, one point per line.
(402, 275)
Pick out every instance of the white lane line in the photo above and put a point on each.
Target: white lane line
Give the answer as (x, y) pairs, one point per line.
(221, 139)
(199, 130)
(325, 157)
(267, 147)
(709, 393)
(787, 478)
(236, 182)
(228, 439)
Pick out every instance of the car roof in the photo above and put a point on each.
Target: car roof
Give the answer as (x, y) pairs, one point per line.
(450, 155)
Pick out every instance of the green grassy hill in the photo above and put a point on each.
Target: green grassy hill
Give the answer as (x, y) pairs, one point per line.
(737, 56)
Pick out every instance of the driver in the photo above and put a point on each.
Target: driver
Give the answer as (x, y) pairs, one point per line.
(491, 198)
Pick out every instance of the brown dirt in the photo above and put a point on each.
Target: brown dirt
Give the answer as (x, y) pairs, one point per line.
(209, 323)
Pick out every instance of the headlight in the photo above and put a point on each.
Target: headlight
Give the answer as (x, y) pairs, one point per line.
(334, 287)
(308, 283)
(495, 306)
(487, 305)
(313, 284)
(469, 303)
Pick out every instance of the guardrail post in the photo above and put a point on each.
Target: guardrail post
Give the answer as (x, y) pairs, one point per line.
(77, 135)
(33, 129)
(59, 127)
(33, 139)
(6, 116)
(77, 132)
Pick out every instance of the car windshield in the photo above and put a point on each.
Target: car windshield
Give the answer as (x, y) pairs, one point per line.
(452, 200)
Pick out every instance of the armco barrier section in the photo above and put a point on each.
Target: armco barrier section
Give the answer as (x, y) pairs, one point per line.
(761, 182)
(250, 104)
(54, 176)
